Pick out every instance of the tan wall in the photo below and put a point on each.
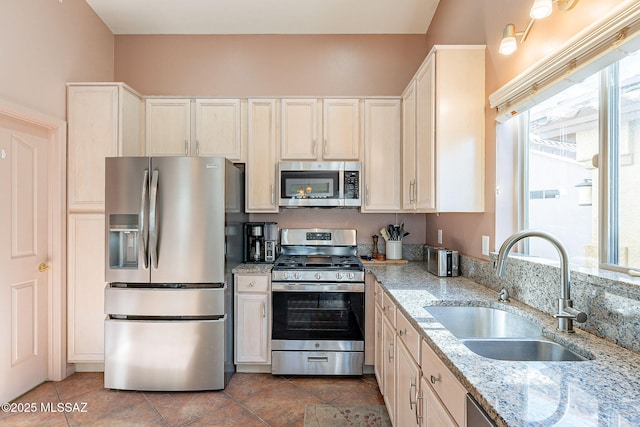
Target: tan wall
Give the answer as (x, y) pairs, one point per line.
(46, 43)
(451, 25)
(279, 65)
(268, 65)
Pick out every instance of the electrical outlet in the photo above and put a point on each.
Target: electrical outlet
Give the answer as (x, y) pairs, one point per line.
(439, 237)
(485, 245)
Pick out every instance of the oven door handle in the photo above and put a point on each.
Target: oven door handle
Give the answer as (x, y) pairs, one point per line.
(316, 287)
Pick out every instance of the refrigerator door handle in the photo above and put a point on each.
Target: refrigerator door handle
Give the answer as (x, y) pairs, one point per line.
(144, 248)
(153, 222)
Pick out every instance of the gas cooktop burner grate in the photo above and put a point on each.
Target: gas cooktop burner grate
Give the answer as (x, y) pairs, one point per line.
(318, 262)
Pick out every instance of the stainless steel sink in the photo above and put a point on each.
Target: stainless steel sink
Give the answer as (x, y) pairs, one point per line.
(483, 322)
(522, 350)
(499, 334)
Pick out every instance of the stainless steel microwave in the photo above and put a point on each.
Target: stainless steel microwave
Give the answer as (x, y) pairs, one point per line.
(320, 184)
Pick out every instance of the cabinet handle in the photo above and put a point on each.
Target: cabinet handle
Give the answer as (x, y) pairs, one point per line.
(413, 385)
(415, 191)
(186, 147)
(366, 195)
(435, 379)
(411, 186)
(197, 147)
(252, 284)
(273, 195)
(401, 332)
(324, 147)
(419, 414)
(315, 147)
(390, 352)
(264, 311)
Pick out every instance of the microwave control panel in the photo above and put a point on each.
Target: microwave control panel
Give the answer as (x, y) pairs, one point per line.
(351, 185)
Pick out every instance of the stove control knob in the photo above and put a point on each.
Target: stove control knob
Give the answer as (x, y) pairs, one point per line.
(338, 276)
(285, 275)
(350, 275)
(318, 276)
(296, 275)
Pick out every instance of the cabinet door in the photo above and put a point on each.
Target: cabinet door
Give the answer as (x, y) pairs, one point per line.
(218, 128)
(409, 147)
(378, 366)
(389, 370)
(92, 113)
(382, 156)
(299, 127)
(424, 193)
(252, 329)
(341, 129)
(407, 378)
(131, 124)
(85, 297)
(262, 192)
(432, 413)
(460, 129)
(168, 127)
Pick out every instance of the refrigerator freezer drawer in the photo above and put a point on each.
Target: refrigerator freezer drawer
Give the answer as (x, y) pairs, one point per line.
(165, 355)
(164, 301)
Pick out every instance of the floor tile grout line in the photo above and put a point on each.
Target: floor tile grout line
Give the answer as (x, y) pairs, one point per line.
(155, 409)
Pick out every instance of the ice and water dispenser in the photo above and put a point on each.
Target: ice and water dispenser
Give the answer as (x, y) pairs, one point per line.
(124, 237)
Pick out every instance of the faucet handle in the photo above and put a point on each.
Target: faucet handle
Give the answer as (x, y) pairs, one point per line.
(572, 313)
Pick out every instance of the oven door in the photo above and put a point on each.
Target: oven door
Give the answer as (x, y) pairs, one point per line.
(310, 313)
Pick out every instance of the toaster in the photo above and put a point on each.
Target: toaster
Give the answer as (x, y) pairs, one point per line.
(442, 262)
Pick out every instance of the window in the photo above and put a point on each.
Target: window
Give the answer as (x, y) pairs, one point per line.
(581, 178)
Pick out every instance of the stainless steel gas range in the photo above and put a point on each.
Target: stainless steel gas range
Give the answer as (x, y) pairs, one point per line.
(318, 304)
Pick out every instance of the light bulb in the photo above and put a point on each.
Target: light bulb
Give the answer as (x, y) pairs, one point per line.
(508, 45)
(540, 9)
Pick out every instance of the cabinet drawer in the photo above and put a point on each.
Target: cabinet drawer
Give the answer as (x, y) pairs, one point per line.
(446, 386)
(389, 309)
(252, 283)
(408, 335)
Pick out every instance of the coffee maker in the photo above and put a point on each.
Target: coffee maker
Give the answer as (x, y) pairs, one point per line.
(260, 241)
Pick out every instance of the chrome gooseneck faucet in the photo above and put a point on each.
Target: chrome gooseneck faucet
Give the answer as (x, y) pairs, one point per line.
(566, 313)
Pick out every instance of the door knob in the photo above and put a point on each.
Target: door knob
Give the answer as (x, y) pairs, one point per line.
(43, 267)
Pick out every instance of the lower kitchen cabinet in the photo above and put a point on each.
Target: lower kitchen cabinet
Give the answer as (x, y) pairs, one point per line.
(417, 387)
(451, 395)
(85, 295)
(378, 364)
(389, 356)
(252, 341)
(431, 411)
(407, 383)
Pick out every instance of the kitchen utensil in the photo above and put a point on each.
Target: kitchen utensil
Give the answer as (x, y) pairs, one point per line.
(385, 234)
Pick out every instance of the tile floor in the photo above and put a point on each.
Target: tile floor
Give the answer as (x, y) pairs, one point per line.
(248, 400)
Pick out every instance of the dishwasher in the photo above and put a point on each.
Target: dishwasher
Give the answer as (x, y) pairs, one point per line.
(476, 417)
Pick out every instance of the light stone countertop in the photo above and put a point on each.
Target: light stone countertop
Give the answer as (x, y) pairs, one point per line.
(604, 391)
(249, 268)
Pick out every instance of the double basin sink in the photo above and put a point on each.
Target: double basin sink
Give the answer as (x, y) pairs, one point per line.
(499, 334)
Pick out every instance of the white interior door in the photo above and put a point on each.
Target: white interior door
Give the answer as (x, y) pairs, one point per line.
(24, 227)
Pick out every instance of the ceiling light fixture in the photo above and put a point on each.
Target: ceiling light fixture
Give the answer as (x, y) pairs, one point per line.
(539, 10)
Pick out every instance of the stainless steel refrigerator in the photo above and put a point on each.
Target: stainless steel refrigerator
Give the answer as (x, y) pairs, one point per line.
(173, 234)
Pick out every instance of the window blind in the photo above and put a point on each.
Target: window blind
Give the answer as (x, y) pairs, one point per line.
(593, 49)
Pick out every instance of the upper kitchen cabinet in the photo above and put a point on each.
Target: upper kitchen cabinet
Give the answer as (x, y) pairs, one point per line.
(300, 129)
(218, 129)
(443, 129)
(168, 127)
(104, 120)
(200, 127)
(381, 155)
(341, 129)
(262, 156)
(320, 130)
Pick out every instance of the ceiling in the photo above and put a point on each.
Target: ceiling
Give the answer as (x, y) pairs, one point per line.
(265, 16)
